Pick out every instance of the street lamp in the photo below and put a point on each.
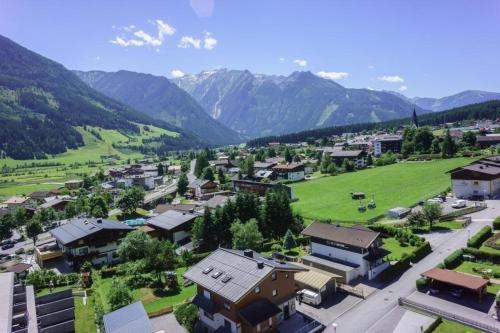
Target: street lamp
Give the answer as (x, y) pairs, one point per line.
(334, 325)
(468, 231)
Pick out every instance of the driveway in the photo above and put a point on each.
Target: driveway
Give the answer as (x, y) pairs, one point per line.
(334, 306)
(167, 323)
(401, 320)
(371, 312)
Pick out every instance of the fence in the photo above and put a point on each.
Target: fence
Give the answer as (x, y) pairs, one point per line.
(448, 315)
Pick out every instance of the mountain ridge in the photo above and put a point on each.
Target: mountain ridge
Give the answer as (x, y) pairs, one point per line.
(161, 99)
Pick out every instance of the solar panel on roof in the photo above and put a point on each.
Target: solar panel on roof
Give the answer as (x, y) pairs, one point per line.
(226, 278)
(216, 274)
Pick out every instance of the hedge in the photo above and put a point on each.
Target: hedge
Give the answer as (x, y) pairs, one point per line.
(478, 239)
(483, 255)
(454, 259)
(496, 224)
(457, 213)
(422, 251)
(432, 327)
(397, 269)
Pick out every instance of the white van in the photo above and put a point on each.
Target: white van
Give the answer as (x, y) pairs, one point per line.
(459, 204)
(310, 297)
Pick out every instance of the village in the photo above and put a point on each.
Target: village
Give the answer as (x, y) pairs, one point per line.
(218, 243)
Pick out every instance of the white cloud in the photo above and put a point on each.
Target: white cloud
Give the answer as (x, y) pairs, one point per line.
(300, 62)
(143, 38)
(177, 73)
(403, 88)
(209, 42)
(332, 75)
(188, 41)
(97, 58)
(164, 29)
(371, 67)
(282, 59)
(391, 79)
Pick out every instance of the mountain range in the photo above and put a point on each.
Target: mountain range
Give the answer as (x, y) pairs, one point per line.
(159, 98)
(260, 105)
(41, 103)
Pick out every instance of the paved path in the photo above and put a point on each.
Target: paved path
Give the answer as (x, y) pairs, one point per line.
(401, 320)
(466, 308)
(167, 323)
(371, 312)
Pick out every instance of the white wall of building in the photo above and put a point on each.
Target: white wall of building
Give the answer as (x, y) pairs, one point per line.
(466, 188)
(343, 255)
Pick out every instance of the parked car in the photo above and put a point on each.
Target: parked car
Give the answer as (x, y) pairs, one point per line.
(19, 250)
(435, 200)
(309, 297)
(5, 242)
(7, 246)
(3, 255)
(456, 293)
(459, 204)
(434, 290)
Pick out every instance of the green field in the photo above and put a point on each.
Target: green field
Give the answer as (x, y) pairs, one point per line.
(76, 162)
(402, 184)
(452, 327)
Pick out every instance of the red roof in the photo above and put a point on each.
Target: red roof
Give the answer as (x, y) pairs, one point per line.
(456, 278)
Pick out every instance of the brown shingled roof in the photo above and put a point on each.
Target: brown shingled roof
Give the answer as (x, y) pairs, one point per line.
(456, 278)
(355, 236)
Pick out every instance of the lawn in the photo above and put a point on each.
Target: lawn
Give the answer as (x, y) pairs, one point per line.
(493, 241)
(468, 267)
(84, 316)
(440, 226)
(402, 184)
(392, 245)
(452, 327)
(297, 252)
(152, 301)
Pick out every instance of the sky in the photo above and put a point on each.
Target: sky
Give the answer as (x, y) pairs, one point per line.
(423, 48)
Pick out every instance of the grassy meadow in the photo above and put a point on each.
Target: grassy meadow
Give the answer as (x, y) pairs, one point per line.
(25, 179)
(402, 184)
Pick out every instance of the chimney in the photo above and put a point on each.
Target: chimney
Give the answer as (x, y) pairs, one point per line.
(260, 265)
(99, 220)
(248, 253)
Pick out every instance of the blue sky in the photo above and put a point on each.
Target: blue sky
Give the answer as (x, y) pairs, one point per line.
(419, 47)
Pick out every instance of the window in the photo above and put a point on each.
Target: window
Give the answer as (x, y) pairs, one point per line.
(476, 183)
(257, 290)
(273, 276)
(208, 315)
(275, 292)
(227, 306)
(271, 322)
(286, 275)
(206, 294)
(83, 251)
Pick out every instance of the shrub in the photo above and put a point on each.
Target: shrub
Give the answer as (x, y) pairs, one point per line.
(453, 260)
(421, 284)
(395, 270)
(187, 316)
(496, 224)
(478, 239)
(109, 272)
(483, 255)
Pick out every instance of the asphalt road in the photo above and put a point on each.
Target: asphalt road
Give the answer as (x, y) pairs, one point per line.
(373, 310)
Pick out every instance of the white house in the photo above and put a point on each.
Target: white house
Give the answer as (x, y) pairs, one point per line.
(292, 171)
(349, 252)
(478, 180)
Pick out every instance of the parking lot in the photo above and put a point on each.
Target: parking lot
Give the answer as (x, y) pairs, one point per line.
(334, 306)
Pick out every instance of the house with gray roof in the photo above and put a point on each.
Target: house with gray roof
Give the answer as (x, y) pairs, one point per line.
(173, 225)
(242, 291)
(357, 157)
(349, 252)
(131, 318)
(92, 239)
